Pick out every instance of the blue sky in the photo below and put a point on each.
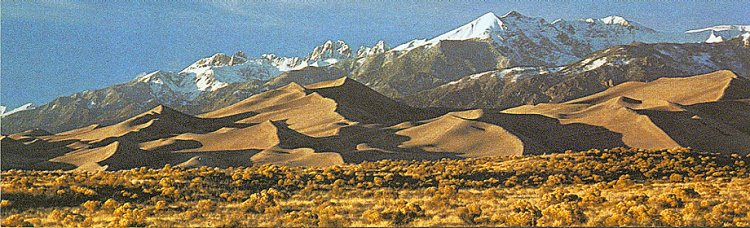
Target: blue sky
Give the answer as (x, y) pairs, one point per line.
(58, 47)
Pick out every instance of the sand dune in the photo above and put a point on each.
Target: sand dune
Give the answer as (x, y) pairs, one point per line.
(685, 91)
(663, 113)
(460, 133)
(343, 121)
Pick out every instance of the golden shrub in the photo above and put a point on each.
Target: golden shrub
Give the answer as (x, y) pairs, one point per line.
(15, 220)
(402, 212)
(91, 205)
(470, 213)
(562, 214)
(667, 200)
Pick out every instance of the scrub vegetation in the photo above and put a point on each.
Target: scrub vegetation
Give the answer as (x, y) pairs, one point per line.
(615, 187)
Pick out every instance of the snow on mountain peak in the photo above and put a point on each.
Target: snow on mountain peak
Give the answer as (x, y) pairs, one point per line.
(25, 107)
(512, 13)
(746, 39)
(713, 38)
(481, 28)
(208, 74)
(378, 48)
(220, 70)
(610, 20)
(410, 45)
(330, 49)
(284, 63)
(219, 59)
(719, 28)
(615, 20)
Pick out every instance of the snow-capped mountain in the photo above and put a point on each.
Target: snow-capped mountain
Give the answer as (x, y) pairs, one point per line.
(284, 63)
(208, 74)
(210, 82)
(721, 33)
(719, 28)
(329, 53)
(713, 38)
(330, 50)
(217, 71)
(555, 43)
(25, 107)
(490, 42)
(378, 48)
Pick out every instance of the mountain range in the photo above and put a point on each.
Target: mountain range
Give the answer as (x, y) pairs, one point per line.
(498, 85)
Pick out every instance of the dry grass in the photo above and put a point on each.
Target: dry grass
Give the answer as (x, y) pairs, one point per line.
(618, 187)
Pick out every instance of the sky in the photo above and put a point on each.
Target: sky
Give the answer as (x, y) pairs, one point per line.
(56, 48)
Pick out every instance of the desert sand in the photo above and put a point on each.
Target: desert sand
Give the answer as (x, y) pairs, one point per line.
(343, 121)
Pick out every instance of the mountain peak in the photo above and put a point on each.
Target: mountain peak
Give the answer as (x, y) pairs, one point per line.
(28, 106)
(481, 27)
(512, 13)
(220, 59)
(713, 38)
(719, 28)
(330, 49)
(488, 15)
(614, 19)
(378, 48)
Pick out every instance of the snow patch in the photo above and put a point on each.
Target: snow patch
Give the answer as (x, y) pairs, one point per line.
(615, 20)
(742, 28)
(410, 45)
(25, 107)
(595, 64)
(713, 38)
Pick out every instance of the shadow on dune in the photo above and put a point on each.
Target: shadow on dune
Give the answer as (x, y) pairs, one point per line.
(701, 132)
(129, 155)
(383, 144)
(170, 124)
(33, 154)
(734, 113)
(358, 102)
(541, 134)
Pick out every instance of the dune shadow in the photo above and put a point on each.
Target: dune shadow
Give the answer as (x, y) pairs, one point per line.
(33, 154)
(383, 143)
(129, 156)
(701, 133)
(735, 113)
(541, 134)
(178, 144)
(168, 125)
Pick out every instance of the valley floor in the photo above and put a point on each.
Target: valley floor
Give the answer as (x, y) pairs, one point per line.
(616, 187)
